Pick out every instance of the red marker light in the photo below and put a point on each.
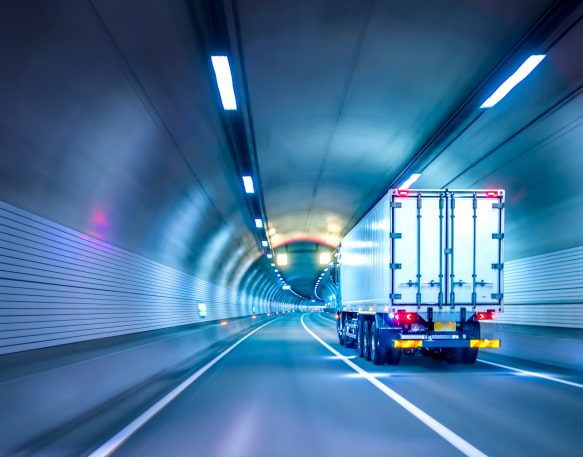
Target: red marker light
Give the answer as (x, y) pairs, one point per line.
(492, 193)
(402, 193)
(488, 315)
(404, 316)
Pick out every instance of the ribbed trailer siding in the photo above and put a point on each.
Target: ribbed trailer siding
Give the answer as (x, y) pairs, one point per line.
(365, 258)
(61, 286)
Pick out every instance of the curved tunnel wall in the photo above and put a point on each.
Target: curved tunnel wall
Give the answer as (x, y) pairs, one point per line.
(120, 207)
(61, 286)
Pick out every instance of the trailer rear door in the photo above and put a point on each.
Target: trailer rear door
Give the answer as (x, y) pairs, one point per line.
(417, 240)
(475, 244)
(446, 247)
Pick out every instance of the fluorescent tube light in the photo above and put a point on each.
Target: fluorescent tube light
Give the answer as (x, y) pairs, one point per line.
(410, 181)
(286, 287)
(248, 184)
(225, 82)
(282, 259)
(523, 71)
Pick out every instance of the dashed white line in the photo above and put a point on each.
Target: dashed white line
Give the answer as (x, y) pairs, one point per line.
(448, 435)
(111, 445)
(533, 374)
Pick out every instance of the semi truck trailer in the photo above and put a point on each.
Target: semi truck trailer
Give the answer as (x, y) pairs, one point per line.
(419, 273)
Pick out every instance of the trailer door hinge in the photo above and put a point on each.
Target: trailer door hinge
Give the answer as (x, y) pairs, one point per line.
(395, 204)
(497, 296)
(395, 266)
(497, 266)
(395, 296)
(497, 205)
(396, 235)
(448, 251)
(497, 236)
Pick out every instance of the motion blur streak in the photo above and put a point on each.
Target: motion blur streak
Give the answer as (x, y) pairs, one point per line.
(437, 427)
(532, 373)
(123, 435)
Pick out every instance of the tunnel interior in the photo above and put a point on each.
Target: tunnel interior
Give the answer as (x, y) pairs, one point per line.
(139, 207)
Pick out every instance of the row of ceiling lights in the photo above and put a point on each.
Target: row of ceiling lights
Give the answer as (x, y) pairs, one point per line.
(224, 79)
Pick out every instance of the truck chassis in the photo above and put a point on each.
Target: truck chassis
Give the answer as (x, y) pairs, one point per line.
(384, 336)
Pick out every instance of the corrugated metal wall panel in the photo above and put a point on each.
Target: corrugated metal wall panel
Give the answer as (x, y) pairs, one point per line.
(546, 289)
(61, 286)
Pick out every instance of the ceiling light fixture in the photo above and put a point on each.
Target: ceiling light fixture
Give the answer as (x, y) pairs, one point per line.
(225, 82)
(504, 89)
(258, 223)
(248, 184)
(410, 181)
(282, 259)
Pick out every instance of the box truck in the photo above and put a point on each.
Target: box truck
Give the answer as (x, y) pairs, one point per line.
(418, 274)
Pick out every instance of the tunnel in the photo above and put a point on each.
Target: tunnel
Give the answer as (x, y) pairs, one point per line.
(204, 247)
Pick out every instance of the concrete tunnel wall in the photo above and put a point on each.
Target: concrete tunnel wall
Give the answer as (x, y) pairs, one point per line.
(109, 163)
(112, 221)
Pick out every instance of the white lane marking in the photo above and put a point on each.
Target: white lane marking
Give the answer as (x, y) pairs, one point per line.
(519, 370)
(324, 317)
(533, 373)
(451, 437)
(111, 445)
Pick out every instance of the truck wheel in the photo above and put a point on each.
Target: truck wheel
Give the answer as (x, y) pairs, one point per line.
(376, 353)
(455, 355)
(360, 338)
(340, 332)
(472, 331)
(366, 338)
(392, 356)
(348, 341)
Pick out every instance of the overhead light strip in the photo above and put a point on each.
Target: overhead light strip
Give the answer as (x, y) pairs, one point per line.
(504, 89)
(410, 181)
(225, 82)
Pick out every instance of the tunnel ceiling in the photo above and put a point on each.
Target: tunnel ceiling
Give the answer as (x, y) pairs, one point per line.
(112, 111)
(343, 95)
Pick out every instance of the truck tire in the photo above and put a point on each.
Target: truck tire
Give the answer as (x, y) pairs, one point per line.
(340, 331)
(376, 352)
(392, 355)
(360, 338)
(366, 340)
(472, 331)
(348, 341)
(455, 355)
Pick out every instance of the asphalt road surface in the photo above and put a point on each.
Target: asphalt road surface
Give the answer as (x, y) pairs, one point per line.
(284, 391)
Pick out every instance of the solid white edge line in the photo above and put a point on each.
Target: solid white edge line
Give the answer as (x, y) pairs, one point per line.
(519, 370)
(451, 437)
(112, 444)
(533, 374)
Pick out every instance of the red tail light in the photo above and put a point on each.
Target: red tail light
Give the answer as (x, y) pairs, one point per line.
(404, 316)
(488, 315)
